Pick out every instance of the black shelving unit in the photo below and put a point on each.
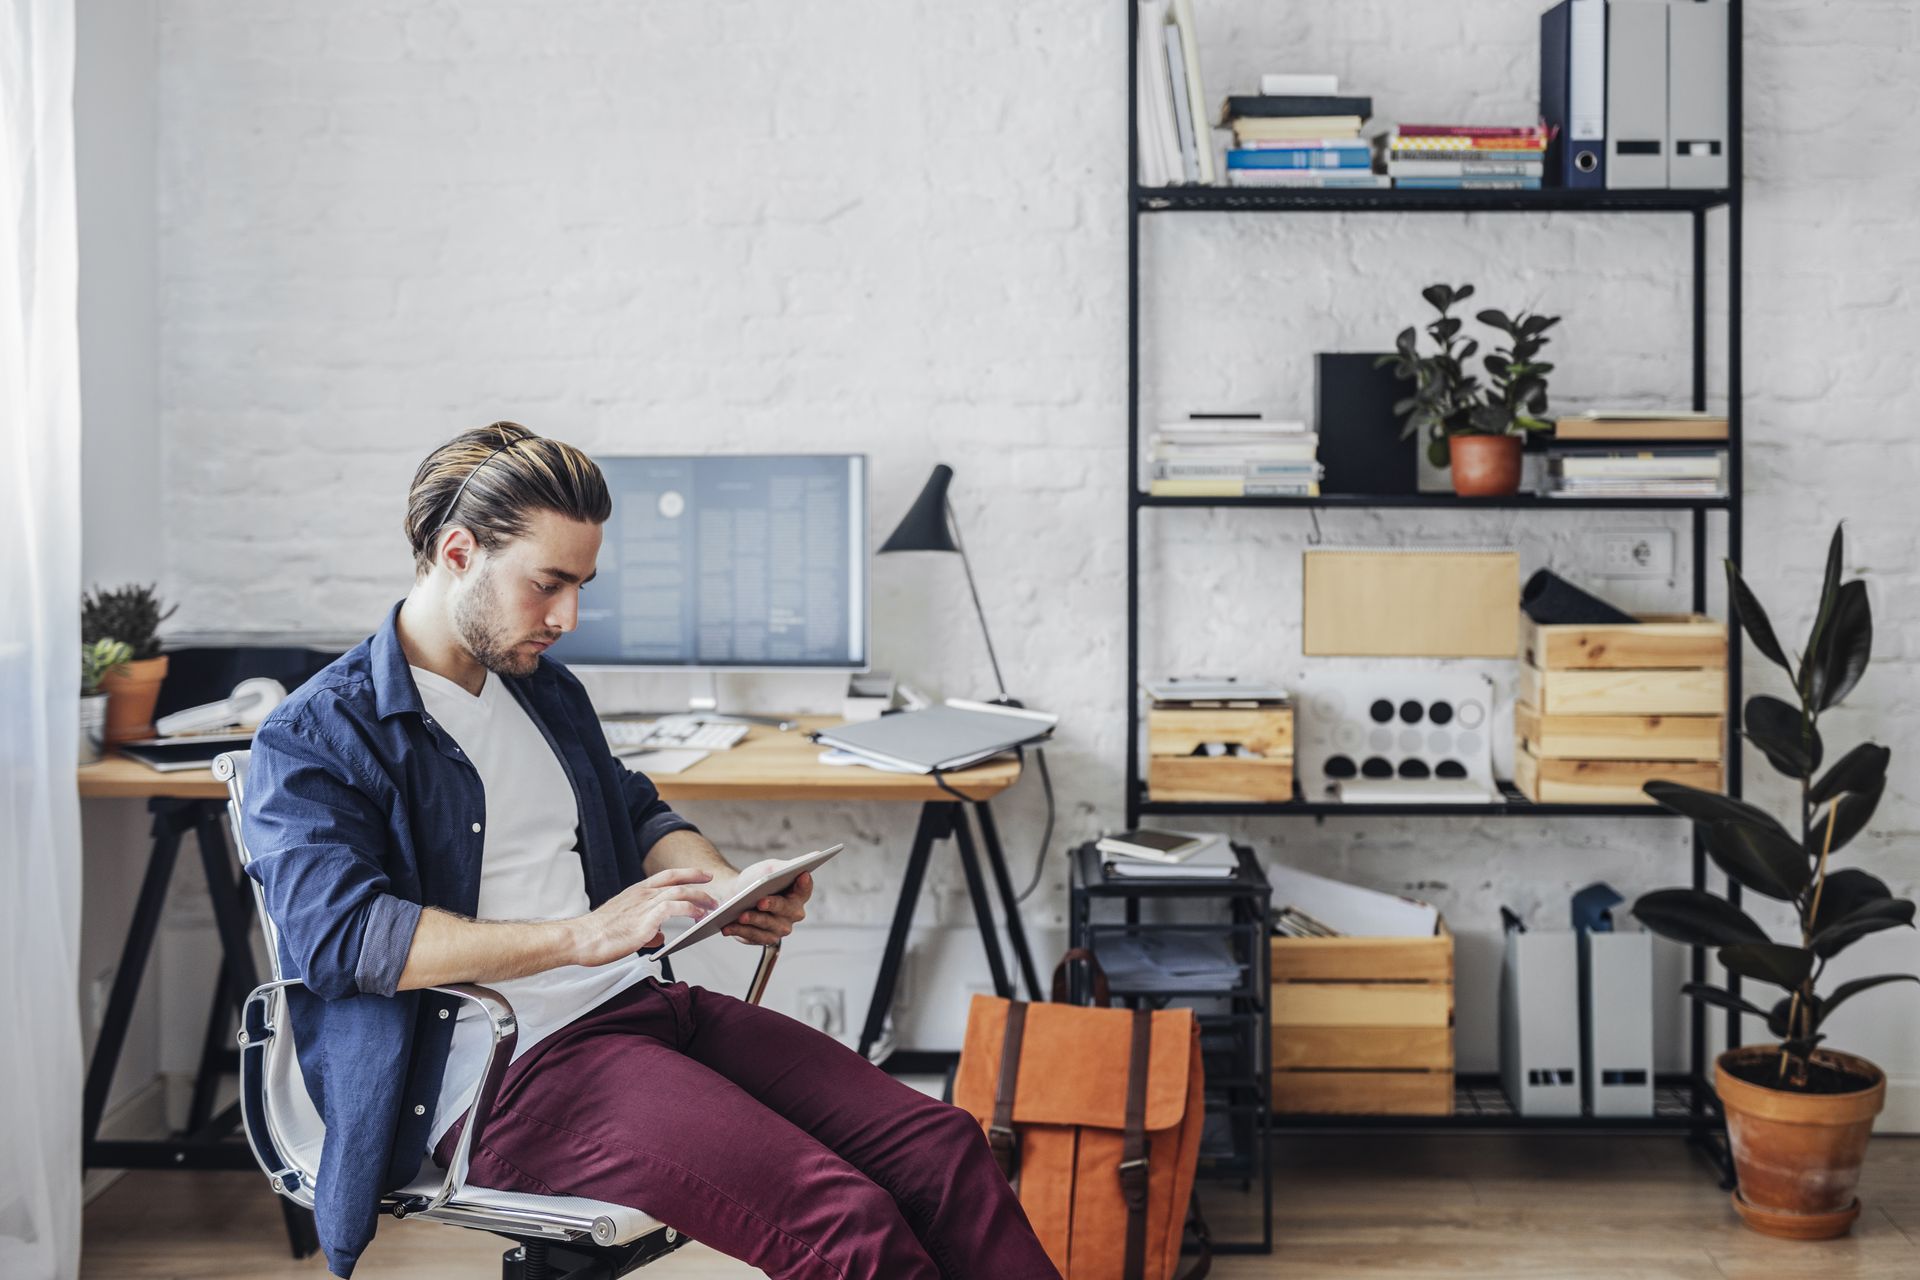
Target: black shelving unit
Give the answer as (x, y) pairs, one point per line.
(1234, 1037)
(1698, 1118)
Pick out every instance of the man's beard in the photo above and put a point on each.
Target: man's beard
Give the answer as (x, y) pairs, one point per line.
(475, 621)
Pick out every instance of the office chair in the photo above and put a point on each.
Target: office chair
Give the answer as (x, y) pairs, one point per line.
(556, 1237)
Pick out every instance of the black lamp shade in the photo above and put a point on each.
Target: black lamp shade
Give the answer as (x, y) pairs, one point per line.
(925, 527)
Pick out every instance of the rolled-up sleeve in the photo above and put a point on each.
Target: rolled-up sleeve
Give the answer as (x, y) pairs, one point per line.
(316, 837)
(651, 816)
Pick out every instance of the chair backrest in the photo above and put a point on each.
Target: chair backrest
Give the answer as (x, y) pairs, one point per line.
(293, 1123)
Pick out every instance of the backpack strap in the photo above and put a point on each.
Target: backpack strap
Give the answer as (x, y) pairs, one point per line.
(1133, 1149)
(1001, 1138)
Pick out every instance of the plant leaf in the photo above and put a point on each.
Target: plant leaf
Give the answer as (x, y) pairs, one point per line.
(1752, 617)
(1773, 962)
(1847, 990)
(1706, 994)
(1696, 918)
(1862, 769)
(1441, 296)
(1769, 862)
(1829, 592)
(1845, 891)
(1777, 1017)
(1845, 647)
(1710, 806)
(1801, 1047)
(1888, 913)
(1498, 319)
(1856, 809)
(1775, 726)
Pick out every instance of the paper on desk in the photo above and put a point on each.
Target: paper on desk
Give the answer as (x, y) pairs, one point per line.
(837, 756)
(1353, 910)
(670, 760)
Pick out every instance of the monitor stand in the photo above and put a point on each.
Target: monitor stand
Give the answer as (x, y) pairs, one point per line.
(705, 703)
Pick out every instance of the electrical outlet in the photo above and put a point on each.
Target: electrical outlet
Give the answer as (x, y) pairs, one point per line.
(1636, 553)
(824, 1009)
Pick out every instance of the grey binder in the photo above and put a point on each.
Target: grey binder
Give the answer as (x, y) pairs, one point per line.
(1636, 93)
(952, 736)
(1697, 93)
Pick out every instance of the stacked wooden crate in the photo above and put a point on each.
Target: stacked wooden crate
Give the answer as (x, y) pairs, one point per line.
(1175, 731)
(1363, 1026)
(1606, 708)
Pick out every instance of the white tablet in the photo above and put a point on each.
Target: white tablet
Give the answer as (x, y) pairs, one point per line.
(776, 878)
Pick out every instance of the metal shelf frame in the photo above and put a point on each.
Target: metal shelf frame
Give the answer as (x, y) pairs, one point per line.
(1701, 1122)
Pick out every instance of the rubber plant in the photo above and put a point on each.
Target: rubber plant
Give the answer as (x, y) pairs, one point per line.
(1448, 399)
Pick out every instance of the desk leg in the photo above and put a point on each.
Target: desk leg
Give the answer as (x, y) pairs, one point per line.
(982, 908)
(936, 822)
(1016, 931)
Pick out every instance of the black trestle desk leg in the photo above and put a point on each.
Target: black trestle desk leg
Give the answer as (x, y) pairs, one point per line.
(302, 1235)
(982, 907)
(1016, 931)
(935, 822)
(170, 818)
(213, 1050)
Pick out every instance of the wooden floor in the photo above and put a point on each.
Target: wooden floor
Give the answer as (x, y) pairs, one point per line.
(1377, 1205)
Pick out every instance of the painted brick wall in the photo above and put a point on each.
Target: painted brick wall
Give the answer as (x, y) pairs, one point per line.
(898, 228)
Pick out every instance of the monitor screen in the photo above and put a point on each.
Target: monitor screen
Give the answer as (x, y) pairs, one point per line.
(750, 561)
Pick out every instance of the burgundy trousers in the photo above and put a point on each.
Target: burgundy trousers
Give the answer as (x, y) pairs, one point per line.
(758, 1136)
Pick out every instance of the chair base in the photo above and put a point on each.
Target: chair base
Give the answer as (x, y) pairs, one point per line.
(532, 1259)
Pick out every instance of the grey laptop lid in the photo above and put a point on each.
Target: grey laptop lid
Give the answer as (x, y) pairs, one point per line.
(945, 737)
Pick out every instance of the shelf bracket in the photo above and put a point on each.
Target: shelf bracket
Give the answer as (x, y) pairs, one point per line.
(1315, 538)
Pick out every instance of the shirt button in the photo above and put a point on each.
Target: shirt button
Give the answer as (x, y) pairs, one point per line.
(445, 1014)
(476, 828)
(419, 1110)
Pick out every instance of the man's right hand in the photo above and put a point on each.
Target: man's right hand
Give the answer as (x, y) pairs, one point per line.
(631, 920)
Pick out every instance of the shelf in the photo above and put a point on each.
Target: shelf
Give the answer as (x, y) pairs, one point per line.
(1517, 501)
(1407, 200)
(1480, 1103)
(1513, 805)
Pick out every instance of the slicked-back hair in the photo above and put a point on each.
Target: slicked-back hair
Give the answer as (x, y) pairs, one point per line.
(491, 479)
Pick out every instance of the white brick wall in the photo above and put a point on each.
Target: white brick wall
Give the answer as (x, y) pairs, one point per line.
(899, 228)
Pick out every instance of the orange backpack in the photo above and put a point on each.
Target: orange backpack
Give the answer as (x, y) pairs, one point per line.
(1094, 1115)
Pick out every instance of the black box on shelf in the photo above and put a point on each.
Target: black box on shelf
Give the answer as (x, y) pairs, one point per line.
(1360, 443)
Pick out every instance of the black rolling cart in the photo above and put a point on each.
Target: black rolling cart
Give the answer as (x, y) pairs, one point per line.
(1234, 1035)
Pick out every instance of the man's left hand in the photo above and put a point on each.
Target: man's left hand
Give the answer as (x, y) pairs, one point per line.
(771, 918)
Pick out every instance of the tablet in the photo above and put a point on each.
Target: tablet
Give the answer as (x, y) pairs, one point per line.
(777, 878)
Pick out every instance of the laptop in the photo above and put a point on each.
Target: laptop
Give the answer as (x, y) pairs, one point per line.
(952, 736)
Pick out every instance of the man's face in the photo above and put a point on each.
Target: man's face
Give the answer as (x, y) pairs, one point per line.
(516, 601)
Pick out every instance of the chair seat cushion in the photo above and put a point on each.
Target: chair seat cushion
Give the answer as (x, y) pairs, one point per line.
(575, 1212)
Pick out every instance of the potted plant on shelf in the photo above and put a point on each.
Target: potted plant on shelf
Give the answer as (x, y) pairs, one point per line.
(97, 661)
(131, 615)
(1475, 429)
(1798, 1116)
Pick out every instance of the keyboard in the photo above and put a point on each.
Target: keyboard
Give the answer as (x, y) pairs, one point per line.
(671, 733)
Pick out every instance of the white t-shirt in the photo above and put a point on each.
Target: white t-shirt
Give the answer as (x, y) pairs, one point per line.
(530, 870)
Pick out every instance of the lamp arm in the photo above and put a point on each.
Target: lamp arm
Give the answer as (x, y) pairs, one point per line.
(974, 591)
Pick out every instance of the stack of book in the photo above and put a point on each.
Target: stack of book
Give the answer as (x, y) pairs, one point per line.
(1233, 456)
(1174, 144)
(1638, 453)
(1298, 131)
(1465, 157)
(1291, 922)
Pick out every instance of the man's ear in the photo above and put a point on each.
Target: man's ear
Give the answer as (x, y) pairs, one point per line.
(458, 550)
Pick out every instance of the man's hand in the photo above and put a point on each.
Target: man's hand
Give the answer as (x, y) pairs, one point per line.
(631, 920)
(773, 917)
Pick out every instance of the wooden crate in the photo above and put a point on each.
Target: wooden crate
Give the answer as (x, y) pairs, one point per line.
(1618, 737)
(1604, 781)
(1625, 692)
(1175, 773)
(1670, 641)
(1363, 1026)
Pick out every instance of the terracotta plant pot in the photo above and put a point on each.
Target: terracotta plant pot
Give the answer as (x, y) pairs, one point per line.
(1798, 1155)
(134, 687)
(1485, 466)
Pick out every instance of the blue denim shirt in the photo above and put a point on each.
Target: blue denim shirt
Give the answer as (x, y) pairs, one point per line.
(360, 811)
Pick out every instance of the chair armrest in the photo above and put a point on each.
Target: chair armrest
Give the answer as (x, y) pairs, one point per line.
(506, 1034)
(257, 1031)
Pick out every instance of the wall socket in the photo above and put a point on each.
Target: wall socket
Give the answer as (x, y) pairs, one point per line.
(824, 1009)
(1636, 553)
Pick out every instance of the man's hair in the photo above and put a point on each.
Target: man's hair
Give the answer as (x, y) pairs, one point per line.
(489, 480)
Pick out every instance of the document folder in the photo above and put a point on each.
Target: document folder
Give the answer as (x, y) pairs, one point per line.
(1616, 1022)
(1636, 94)
(1540, 1023)
(1697, 93)
(1573, 91)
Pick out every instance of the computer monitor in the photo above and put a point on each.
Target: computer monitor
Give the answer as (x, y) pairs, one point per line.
(747, 562)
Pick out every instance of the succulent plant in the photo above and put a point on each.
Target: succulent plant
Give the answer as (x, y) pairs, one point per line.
(99, 660)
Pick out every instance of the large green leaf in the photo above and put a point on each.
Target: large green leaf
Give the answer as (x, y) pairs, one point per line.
(1790, 744)
(1710, 806)
(1889, 913)
(1752, 616)
(1847, 990)
(1773, 962)
(1777, 1016)
(1845, 647)
(1862, 769)
(1844, 892)
(1829, 594)
(1720, 998)
(1696, 918)
(1856, 810)
(1765, 861)
(1495, 317)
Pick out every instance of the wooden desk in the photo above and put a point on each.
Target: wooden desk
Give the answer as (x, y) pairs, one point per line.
(770, 764)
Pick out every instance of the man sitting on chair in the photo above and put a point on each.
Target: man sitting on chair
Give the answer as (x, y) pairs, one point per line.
(440, 806)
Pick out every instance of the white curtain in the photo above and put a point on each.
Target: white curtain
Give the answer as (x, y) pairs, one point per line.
(40, 1057)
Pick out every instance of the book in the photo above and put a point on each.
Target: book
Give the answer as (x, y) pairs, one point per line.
(1150, 844)
(1237, 424)
(1641, 426)
(1327, 178)
(1212, 691)
(1215, 862)
(1293, 105)
(1281, 144)
(1473, 130)
(1668, 464)
(1276, 472)
(1182, 119)
(1291, 922)
(1468, 184)
(1189, 53)
(1300, 158)
(1219, 449)
(1465, 168)
(1277, 84)
(1232, 488)
(1298, 127)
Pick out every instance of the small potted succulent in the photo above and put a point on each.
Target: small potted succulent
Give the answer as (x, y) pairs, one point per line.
(131, 615)
(1475, 429)
(97, 661)
(1798, 1115)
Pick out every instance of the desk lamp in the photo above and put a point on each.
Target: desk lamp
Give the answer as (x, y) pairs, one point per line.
(929, 525)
